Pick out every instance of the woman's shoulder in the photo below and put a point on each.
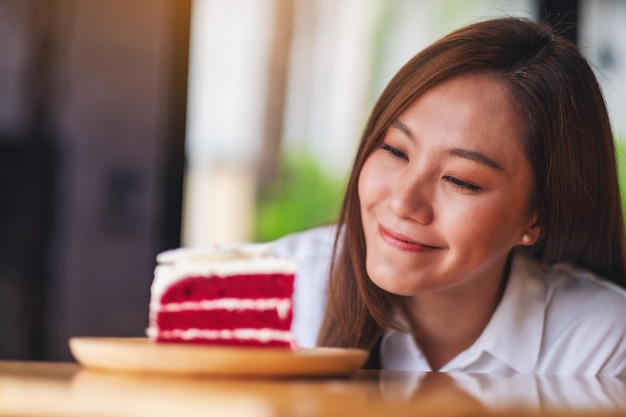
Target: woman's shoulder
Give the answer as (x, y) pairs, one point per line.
(313, 242)
(569, 287)
(312, 252)
(585, 321)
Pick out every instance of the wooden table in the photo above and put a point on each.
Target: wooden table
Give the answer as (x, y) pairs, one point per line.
(64, 389)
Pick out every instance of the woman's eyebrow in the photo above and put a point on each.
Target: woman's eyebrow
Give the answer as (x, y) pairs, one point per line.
(475, 156)
(402, 127)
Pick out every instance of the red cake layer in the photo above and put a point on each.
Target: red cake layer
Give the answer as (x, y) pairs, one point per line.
(222, 319)
(239, 286)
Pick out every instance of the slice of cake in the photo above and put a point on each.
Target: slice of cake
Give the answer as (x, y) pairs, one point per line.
(236, 296)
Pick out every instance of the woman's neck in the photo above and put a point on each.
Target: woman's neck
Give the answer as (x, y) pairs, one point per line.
(447, 322)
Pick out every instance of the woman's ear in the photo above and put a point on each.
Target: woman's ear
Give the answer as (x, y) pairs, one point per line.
(532, 234)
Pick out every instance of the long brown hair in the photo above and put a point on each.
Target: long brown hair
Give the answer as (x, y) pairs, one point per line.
(567, 140)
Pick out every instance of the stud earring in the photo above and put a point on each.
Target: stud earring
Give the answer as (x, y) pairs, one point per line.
(526, 238)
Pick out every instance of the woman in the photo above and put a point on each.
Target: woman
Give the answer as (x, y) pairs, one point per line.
(482, 227)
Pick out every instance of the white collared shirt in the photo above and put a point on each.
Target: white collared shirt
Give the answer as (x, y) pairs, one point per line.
(554, 320)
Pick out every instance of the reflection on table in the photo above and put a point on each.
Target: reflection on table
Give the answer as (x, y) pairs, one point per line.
(64, 389)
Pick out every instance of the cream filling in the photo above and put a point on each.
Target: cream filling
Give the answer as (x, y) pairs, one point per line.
(262, 335)
(281, 305)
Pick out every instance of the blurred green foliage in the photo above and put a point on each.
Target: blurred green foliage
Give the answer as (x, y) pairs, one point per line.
(304, 196)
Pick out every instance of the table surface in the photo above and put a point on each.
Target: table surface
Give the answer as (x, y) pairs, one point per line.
(66, 389)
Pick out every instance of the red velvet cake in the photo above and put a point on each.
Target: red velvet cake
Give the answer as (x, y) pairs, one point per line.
(235, 296)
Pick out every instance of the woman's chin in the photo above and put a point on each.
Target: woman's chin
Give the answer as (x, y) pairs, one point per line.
(392, 286)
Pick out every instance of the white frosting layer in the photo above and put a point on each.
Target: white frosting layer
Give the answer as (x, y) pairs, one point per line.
(281, 305)
(216, 261)
(215, 252)
(262, 335)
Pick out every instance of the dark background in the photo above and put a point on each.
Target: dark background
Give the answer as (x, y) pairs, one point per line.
(92, 111)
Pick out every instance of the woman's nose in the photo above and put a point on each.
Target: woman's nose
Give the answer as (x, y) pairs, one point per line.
(410, 197)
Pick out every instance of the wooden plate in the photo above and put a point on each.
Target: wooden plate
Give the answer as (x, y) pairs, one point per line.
(141, 355)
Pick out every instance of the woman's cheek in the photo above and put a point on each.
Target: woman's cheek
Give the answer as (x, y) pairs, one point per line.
(374, 179)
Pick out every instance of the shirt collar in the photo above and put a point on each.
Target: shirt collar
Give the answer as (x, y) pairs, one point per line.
(514, 333)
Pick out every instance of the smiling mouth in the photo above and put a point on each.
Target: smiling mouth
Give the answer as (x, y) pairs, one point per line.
(400, 242)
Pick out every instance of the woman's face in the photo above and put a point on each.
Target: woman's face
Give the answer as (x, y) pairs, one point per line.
(446, 195)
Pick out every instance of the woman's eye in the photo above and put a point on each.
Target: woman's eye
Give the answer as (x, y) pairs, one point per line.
(394, 151)
(464, 185)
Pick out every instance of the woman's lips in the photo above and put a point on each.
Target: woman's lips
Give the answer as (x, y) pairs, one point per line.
(402, 242)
